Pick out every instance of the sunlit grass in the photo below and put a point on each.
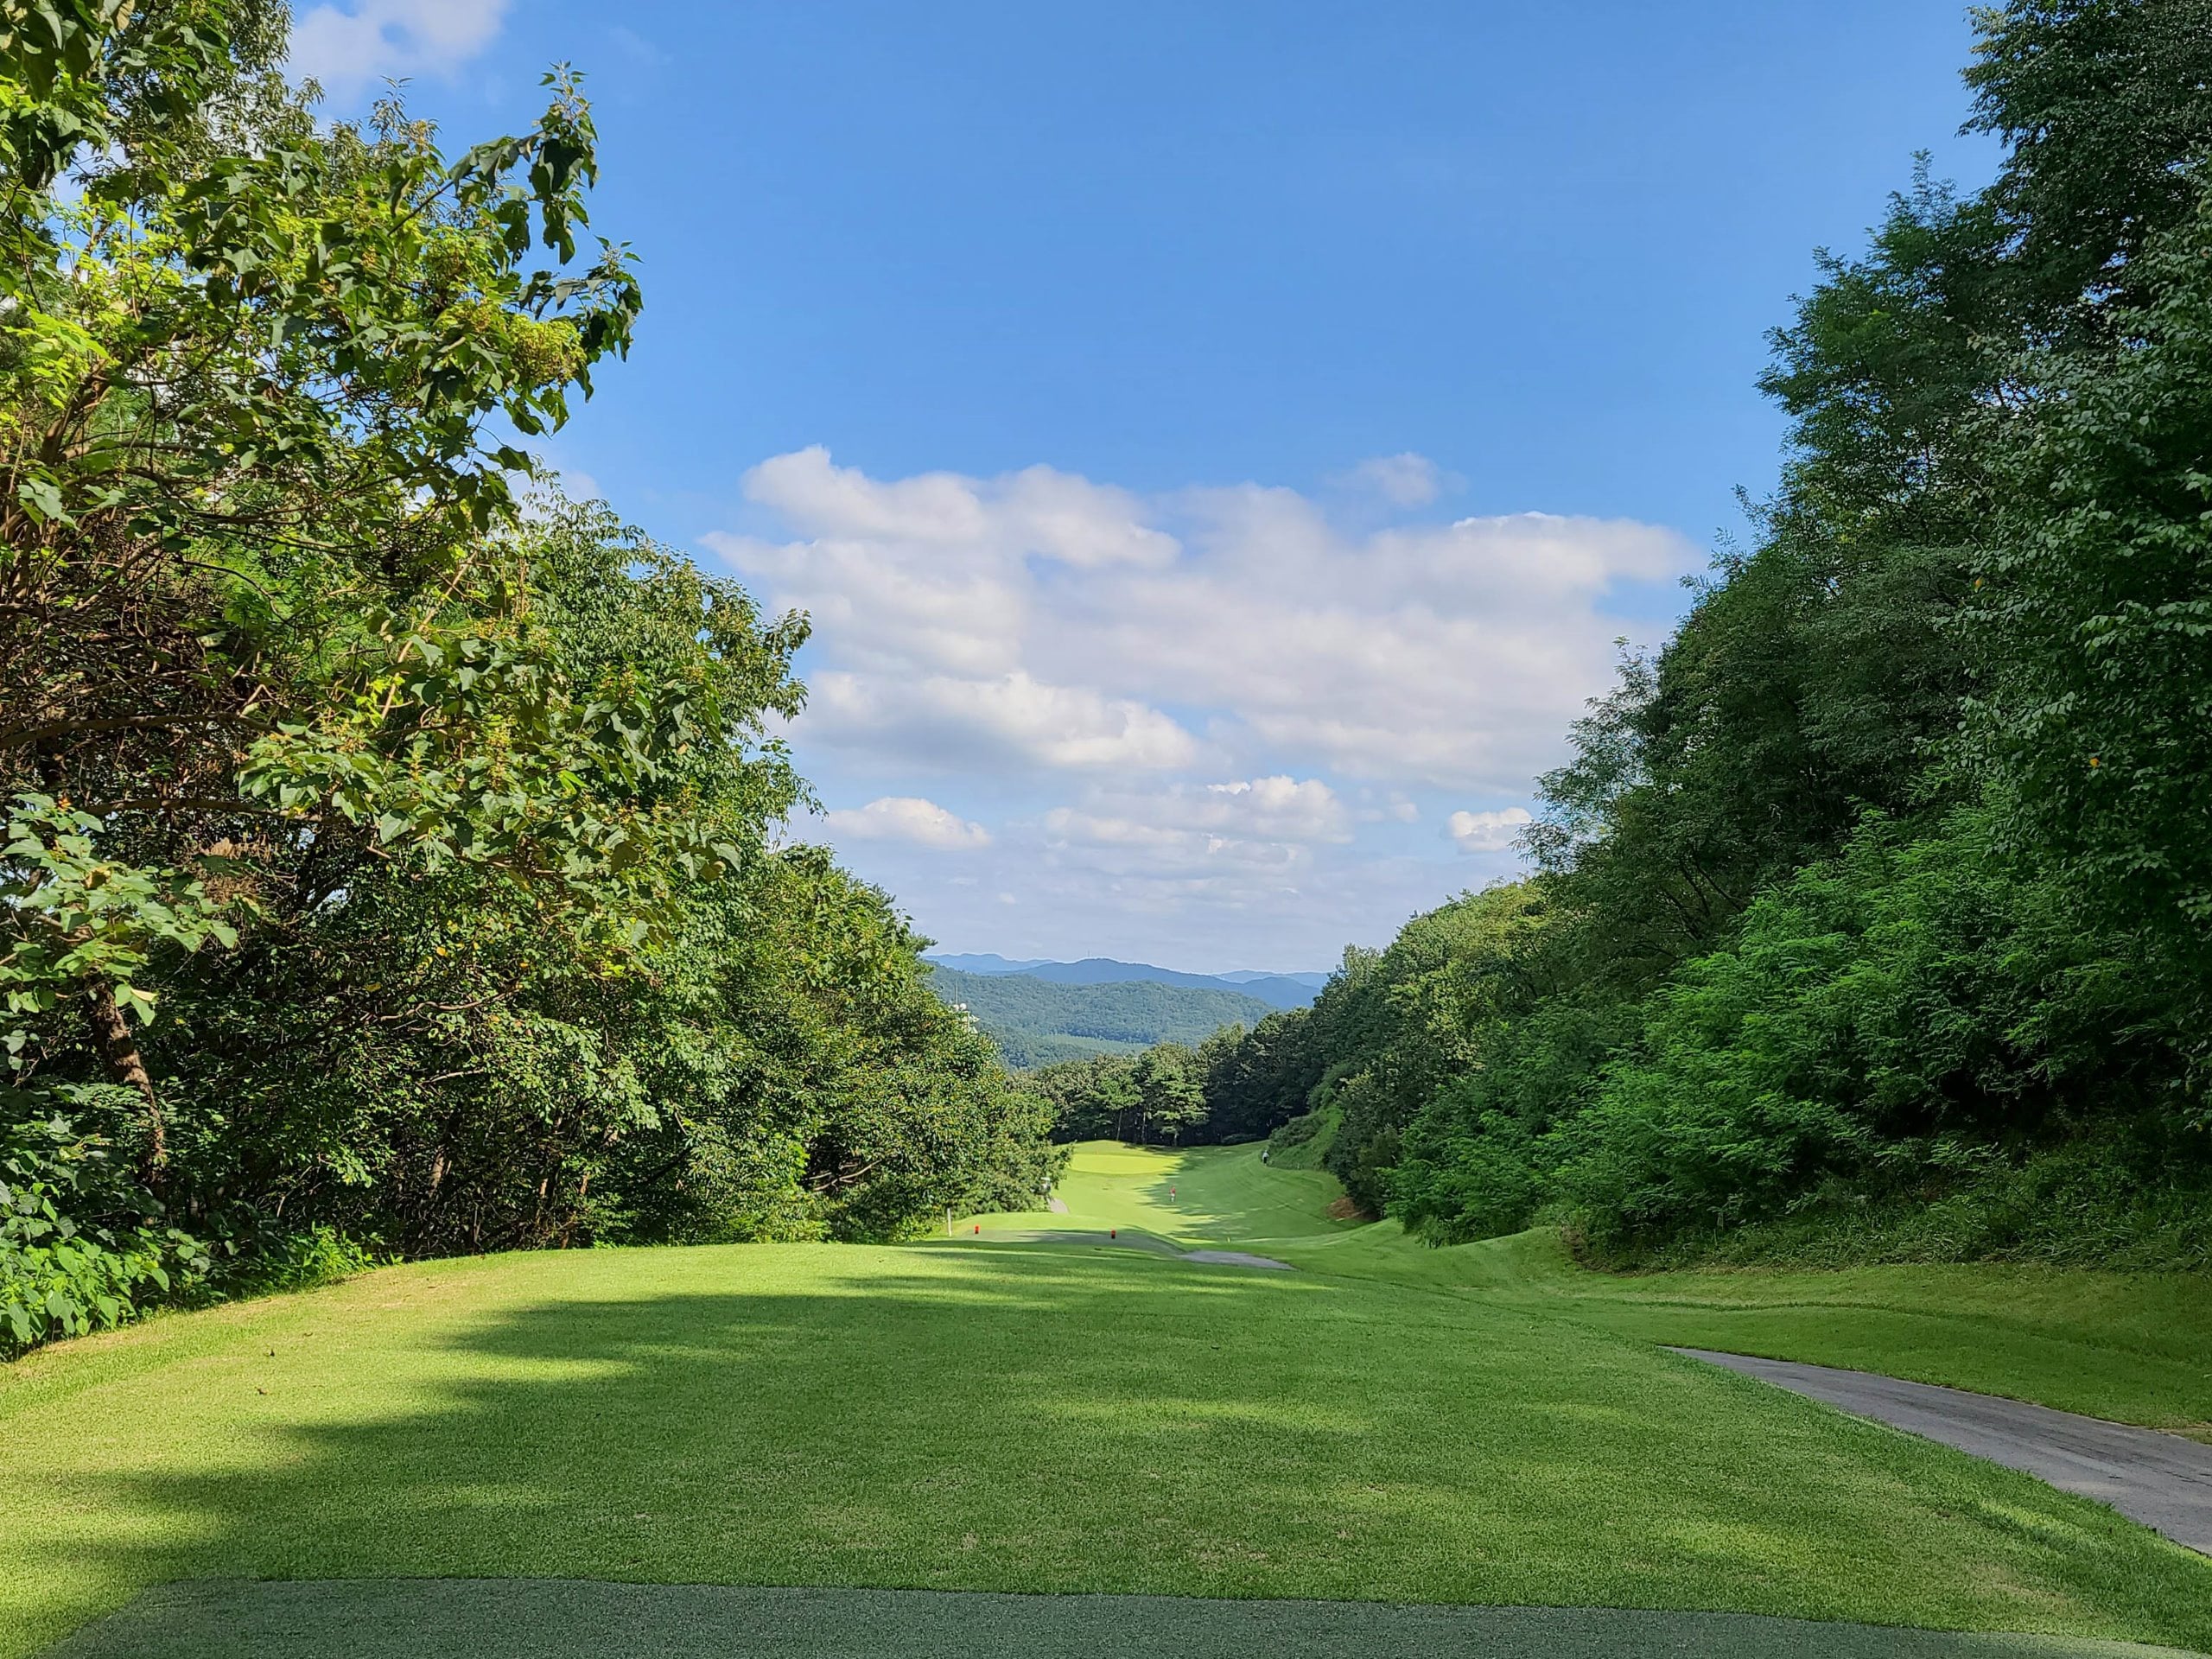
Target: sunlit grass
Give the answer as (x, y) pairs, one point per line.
(982, 1415)
(2134, 1347)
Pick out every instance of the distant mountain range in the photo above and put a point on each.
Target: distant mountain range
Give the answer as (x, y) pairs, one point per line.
(1036, 1021)
(1276, 990)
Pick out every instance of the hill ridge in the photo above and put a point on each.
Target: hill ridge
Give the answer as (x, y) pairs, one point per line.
(1277, 990)
(1036, 1021)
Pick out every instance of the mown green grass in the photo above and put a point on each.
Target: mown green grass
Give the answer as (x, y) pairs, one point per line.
(1207, 1196)
(975, 1414)
(573, 1618)
(2133, 1347)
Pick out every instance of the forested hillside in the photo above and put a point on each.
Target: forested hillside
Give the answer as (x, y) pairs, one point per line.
(387, 865)
(1037, 1021)
(1276, 990)
(1872, 915)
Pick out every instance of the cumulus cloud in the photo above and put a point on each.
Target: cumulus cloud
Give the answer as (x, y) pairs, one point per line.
(1041, 617)
(1036, 510)
(1201, 724)
(346, 47)
(910, 818)
(1013, 718)
(1270, 822)
(1297, 809)
(1403, 480)
(1487, 832)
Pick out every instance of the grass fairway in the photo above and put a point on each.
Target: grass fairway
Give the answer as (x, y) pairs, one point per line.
(1208, 1196)
(2135, 1348)
(978, 1416)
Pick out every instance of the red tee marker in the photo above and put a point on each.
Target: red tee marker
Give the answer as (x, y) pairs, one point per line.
(1113, 1232)
(978, 1227)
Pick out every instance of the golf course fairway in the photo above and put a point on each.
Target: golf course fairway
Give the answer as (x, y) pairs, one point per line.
(1025, 1407)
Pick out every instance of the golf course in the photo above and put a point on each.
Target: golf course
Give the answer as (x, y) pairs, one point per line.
(1056, 1403)
(1315, 832)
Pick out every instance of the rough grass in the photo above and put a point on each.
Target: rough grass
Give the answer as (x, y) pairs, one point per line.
(2133, 1347)
(974, 1415)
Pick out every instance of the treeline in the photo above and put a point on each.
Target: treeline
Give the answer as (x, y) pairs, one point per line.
(1160, 1097)
(1873, 914)
(389, 861)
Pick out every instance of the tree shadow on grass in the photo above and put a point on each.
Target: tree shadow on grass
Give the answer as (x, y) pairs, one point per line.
(873, 1428)
(1058, 1420)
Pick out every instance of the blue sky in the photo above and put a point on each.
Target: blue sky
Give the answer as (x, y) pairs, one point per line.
(1218, 443)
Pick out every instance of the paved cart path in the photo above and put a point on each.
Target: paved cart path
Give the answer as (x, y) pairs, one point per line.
(2161, 1480)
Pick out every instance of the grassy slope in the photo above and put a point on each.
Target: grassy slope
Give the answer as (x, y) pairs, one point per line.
(2133, 1347)
(1222, 1196)
(2136, 1348)
(981, 1416)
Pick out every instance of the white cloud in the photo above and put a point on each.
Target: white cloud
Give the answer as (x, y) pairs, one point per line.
(1041, 617)
(347, 48)
(1266, 821)
(908, 818)
(1287, 809)
(1403, 480)
(1067, 824)
(1200, 724)
(1487, 832)
(1038, 511)
(950, 721)
(1295, 809)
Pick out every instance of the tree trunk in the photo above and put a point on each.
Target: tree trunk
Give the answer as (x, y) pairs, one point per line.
(128, 1066)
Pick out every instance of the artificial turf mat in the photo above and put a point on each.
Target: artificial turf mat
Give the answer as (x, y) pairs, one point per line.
(556, 1619)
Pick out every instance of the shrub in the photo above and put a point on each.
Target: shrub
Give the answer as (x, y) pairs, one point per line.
(1912, 1017)
(60, 1278)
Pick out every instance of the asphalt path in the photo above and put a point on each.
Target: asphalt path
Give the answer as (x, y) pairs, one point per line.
(539, 1618)
(2161, 1480)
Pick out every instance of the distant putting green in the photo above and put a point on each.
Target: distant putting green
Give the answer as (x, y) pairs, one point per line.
(975, 1415)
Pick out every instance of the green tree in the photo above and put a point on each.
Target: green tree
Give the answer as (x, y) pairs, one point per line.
(1882, 883)
(2094, 610)
(1171, 1094)
(257, 585)
(434, 823)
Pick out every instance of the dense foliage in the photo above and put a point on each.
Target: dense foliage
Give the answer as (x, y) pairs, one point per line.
(1157, 1097)
(1873, 913)
(390, 857)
